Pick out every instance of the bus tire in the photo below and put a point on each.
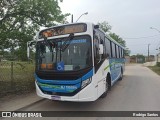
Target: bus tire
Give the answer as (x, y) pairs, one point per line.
(109, 82)
(106, 89)
(121, 75)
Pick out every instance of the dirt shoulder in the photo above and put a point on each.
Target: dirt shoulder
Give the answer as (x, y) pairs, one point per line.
(14, 102)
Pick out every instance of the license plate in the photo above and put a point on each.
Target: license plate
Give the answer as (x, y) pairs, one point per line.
(55, 97)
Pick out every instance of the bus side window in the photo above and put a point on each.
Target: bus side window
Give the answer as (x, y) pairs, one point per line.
(113, 50)
(117, 51)
(120, 55)
(96, 49)
(108, 48)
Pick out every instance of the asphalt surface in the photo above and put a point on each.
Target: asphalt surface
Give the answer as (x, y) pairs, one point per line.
(138, 91)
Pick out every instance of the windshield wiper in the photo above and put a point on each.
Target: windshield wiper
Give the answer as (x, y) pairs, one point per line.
(48, 44)
(67, 42)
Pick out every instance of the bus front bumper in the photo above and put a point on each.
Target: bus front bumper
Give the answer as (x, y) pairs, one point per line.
(89, 93)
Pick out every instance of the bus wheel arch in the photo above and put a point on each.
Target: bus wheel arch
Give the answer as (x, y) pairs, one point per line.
(108, 85)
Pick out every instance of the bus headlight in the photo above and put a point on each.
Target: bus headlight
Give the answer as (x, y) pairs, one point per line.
(85, 82)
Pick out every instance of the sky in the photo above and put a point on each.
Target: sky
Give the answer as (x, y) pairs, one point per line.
(130, 19)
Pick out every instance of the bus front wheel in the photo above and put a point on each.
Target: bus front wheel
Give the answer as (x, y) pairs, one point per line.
(106, 90)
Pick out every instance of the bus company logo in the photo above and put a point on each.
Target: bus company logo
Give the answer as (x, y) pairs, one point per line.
(6, 114)
(62, 87)
(68, 87)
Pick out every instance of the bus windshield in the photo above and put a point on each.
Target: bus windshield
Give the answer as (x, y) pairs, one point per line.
(76, 56)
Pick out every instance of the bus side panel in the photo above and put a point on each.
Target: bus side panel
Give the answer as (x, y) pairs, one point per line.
(115, 65)
(112, 69)
(118, 66)
(100, 77)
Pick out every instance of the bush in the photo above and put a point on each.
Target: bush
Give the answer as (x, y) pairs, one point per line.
(158, 64)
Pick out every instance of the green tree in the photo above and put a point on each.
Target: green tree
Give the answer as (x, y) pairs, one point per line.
(104, 26)
(122, 42)
(118, 39)
(21, 19)
(127, 52)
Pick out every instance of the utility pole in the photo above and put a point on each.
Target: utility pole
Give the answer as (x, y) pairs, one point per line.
(159, 48)
(148, 52)
(72, 18)
(158, 52)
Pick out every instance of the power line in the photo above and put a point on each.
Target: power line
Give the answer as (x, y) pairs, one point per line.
(141, 37)
(128, 44)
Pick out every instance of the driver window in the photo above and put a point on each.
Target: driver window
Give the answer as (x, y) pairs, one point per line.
(96, 49)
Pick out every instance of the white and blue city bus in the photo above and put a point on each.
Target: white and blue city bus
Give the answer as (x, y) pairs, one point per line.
(76, 62)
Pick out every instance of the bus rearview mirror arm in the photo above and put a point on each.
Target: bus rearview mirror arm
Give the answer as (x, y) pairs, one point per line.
(28, 50)
(29, 44)
(100, 49)
(100, 52)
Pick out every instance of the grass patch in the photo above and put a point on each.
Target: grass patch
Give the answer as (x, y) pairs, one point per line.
(17, 78)
(156, 69)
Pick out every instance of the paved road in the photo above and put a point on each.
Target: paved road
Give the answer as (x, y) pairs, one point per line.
(138, 91)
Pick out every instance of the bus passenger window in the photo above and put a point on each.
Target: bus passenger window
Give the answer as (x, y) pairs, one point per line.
(113, 50)
(120, 55)
(108, 48)
(117, 48)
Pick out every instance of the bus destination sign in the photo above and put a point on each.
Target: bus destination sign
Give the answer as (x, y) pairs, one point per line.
(62, 30)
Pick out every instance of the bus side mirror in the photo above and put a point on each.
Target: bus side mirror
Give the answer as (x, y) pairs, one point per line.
(96, 26)
(28, 50)
(29, 45)
(100, 49)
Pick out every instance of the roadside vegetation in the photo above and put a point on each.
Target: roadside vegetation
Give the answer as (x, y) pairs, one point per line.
(16, 78)
(19, 22)
(155, 68)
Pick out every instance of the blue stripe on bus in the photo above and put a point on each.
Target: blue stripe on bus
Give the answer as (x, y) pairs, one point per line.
(86, 76)
(57, 81)
(65, 86)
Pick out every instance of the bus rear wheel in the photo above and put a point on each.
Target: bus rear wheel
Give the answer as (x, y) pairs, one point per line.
(121, 75)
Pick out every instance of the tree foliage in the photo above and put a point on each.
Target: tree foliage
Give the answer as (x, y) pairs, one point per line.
(104, 26)
(127, 52)
(118, 39)
(21, 19)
